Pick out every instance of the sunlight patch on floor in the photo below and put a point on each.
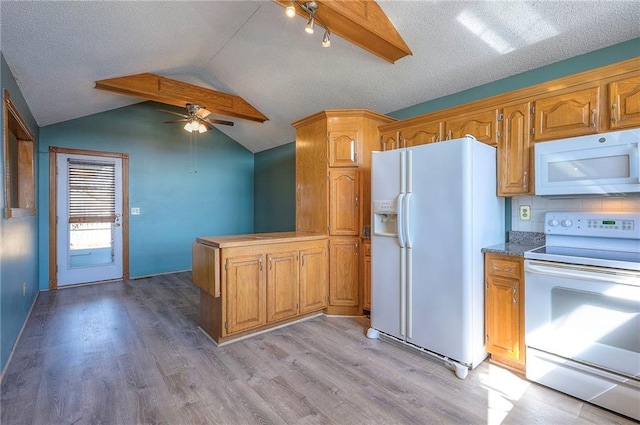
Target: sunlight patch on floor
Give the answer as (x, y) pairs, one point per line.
(504, 388)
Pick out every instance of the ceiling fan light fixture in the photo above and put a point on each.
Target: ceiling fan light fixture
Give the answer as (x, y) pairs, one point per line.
(202, 128)
(187, 127)
(326, 42)
(309, 27)
(290, 10)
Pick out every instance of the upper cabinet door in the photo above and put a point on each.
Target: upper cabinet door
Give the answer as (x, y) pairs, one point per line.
(483, 125)
(344, 216)
(567, 115)
(624, 101)
(428, 132)
(514, 152)
(343, 148)
(389, 140)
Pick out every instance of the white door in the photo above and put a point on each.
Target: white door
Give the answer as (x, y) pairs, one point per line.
(89, 212)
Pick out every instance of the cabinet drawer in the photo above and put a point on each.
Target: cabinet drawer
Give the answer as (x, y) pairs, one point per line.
(503, 267)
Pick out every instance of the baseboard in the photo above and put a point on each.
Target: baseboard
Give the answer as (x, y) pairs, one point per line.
(15, 344)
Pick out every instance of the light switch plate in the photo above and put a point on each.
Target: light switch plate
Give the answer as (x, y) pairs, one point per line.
(135, 211)
(525, 212)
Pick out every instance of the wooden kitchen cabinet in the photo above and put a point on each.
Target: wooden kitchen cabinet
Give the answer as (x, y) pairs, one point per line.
(504, 309)
(624, 103)
(571, 114)
(389, 140)
(515, 152)
(344, 210)
(283, 289)
(483, 125)
(343, 272)
(333, 192)
(366, 275)
(246, 291)
(314, 279)
(423, 133)
(249, 283)
(343, 148)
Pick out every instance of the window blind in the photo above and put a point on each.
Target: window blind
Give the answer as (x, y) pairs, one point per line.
(92, 192)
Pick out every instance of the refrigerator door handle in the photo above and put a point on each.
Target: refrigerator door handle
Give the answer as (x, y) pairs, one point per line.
(405, 219)
(400, 220)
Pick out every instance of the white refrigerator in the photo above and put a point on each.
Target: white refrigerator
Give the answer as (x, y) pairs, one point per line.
(434, 207)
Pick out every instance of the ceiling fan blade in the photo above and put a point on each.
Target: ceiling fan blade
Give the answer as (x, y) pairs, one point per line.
(221, 122)
(175, 121)
(173, 113)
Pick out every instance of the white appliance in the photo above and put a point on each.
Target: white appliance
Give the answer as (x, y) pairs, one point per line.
(434, 207)
(582, 309)
(598, 164)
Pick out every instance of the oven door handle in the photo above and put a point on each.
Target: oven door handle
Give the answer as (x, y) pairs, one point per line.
(593, 273)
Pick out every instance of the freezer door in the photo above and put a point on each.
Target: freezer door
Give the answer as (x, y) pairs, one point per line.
(388, 313)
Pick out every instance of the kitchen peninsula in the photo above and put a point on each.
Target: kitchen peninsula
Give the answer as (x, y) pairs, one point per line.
(254, 282)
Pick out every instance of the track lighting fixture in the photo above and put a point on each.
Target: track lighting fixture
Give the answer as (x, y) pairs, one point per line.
(311, 8)
(309, 27)
(290, 11)
(326, 42)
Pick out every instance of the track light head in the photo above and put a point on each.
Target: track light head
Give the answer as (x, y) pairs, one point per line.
(309, 27)
(290, 10)
(326, 42)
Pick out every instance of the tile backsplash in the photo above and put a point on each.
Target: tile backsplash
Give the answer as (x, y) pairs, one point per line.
(540, 205)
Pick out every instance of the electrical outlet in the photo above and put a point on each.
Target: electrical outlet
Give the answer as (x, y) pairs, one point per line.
(135, 211)
(525, 212)
(24, 289)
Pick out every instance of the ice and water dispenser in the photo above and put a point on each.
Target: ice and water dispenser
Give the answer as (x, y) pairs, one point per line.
(385, 218)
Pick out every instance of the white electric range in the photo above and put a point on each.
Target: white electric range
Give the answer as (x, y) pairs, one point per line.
(582, 308)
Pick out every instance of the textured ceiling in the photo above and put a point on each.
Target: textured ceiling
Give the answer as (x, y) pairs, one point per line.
(57, 50)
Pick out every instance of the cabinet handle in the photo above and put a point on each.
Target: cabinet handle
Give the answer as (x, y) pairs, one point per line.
(303, 261)
(593, 118)
(270, 263)
(449, 134)
(437, 137)
(260, 264)
(614, 113)
(514, 295)
(525, 180)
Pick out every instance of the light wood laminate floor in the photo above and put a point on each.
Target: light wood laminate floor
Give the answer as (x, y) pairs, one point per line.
(131, 353)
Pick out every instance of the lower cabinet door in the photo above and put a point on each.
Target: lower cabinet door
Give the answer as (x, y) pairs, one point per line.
(282, 285)
(343, 272)
(246, 292)
(503, 317)
(314, 284)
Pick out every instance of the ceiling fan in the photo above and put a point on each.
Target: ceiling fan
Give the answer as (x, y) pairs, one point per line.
(197, 118)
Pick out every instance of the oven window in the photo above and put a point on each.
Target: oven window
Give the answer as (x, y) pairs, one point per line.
(606, 167)
(589, 318)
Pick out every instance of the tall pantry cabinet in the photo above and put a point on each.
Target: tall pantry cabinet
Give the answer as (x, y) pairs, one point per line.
(333, 193)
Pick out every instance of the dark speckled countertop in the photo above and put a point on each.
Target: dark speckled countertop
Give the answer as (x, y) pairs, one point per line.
(518, 243)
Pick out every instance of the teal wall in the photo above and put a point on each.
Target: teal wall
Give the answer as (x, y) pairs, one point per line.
(275, 189)
(18, 242)
(177, 204)
(616, 53)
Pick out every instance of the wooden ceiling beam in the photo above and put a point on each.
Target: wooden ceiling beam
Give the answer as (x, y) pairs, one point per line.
(177, 93)
(362, 22)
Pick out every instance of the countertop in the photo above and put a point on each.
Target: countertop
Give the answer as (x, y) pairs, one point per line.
(518, 243)
(258, 239)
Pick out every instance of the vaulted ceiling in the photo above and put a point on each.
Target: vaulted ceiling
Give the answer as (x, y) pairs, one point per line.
(57, 50)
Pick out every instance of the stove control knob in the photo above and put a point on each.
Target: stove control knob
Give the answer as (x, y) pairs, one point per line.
(566, 223)
(553, 222)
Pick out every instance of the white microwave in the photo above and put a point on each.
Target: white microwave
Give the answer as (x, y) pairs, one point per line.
(598, 164)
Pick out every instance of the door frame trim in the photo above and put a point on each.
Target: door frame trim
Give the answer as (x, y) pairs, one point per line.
(53, 202)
